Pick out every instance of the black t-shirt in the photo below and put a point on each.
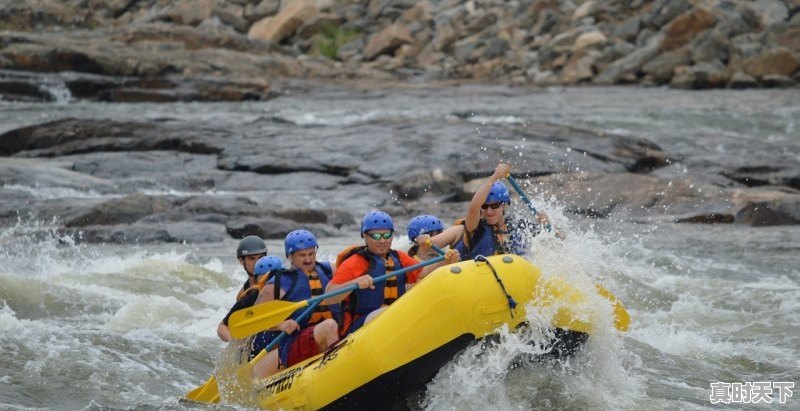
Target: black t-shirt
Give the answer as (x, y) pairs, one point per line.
(247, 301)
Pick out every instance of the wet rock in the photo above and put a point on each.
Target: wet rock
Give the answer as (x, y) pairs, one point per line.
(44, 174)
(777, 173)
(196, 232)
(780, 209)
(600, 195)
(73, 136)
(138, 234)
(436, 182)
(17, 90)
(264, 227)
(331, 217)
(707, 218)
(125, 210)
(227, 205)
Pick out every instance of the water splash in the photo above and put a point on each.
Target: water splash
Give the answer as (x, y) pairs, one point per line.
(58, 91)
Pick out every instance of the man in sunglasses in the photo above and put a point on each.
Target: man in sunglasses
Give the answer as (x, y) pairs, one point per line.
(487, 228)
(360, 265)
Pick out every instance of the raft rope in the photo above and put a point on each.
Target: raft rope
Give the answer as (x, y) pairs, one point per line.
(511, 303)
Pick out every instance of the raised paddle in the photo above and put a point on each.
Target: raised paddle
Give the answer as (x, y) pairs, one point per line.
(264, 316)
(621, 317)
(525, 198)
(209, 391)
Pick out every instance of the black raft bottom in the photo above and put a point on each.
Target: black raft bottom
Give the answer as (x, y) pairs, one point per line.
(390, 390)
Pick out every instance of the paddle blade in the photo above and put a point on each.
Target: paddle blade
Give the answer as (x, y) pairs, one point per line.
(622, 319)
(207, 393)
(261, 317)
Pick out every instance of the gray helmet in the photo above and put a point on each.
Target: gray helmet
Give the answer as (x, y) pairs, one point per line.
(251, 245)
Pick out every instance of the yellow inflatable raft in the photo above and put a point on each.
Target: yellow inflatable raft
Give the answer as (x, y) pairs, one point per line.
(403, 349)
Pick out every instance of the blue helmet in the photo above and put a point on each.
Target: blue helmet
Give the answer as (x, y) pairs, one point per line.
(267, 264)
(299, 240)
(498, 194)
(376, 220)
(423, 224)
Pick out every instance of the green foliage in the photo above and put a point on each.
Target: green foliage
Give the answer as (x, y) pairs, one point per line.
(330, 38)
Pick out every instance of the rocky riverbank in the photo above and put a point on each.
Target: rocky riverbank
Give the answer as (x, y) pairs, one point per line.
(217, 50)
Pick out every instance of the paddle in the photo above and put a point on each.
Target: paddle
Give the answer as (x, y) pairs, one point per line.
(621, 317)
(525, 198)
(209, 391)
(267, 315)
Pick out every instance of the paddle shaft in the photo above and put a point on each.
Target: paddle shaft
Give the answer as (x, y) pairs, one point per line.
(353, 287)
(525, 198)
(308, 311)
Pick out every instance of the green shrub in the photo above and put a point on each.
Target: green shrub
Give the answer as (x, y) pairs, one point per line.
(330, 38)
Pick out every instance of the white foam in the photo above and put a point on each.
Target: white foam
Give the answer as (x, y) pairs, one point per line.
(8, 319)
(150, 312)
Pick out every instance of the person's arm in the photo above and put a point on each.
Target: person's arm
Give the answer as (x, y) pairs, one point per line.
(268, 293)
(350, 272)
(446, 238)
(223, 332)
(474, 211)
(450, 257)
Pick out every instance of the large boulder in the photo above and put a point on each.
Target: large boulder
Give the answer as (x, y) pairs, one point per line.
(285, 23)
(125, 210)
(773, 60)
(387, 40)
(686, 26)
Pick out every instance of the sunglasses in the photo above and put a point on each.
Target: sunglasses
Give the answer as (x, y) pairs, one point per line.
(378, 236)
(493, 206)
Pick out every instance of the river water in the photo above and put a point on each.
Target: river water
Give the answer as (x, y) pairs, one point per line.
(86, 326)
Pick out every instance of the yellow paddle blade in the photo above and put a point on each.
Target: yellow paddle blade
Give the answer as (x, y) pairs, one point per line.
(621, 317)
(207, 393)
(261, 317)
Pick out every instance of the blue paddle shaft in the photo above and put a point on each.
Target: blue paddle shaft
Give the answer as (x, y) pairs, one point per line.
(283, 335)
(437, 249)
(353, 287)
(525, 198)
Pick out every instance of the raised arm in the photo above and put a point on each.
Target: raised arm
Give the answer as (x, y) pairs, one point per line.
(474, 211)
